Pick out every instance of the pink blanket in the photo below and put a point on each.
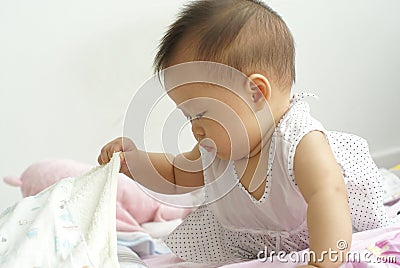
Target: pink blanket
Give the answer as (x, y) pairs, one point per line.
(134, 206)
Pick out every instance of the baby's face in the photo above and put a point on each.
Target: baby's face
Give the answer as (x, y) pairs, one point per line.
(222, 121)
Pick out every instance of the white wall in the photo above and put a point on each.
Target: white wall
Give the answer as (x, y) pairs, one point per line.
(68, 70)
(347, 53)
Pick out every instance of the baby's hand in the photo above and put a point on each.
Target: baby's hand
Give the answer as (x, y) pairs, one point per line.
(121, 144)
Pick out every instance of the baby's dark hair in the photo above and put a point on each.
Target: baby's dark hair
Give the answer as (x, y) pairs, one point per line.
(244, 34)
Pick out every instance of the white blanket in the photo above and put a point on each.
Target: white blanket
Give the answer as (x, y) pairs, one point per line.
(70, 224)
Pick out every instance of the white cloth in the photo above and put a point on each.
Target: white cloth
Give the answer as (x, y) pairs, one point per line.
(237, 226)
(70, 224)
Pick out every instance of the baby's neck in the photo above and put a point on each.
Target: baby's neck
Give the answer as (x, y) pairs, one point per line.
(278, 109)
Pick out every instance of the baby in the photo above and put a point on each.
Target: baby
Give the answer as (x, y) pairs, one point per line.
(275, 179)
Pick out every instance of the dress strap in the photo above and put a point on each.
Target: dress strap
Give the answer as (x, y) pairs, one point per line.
(301, 95)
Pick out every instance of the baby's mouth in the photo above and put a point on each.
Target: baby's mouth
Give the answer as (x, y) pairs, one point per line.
(208, 144)
(208, 148)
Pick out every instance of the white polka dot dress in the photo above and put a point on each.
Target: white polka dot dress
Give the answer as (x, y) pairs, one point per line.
(234, 226)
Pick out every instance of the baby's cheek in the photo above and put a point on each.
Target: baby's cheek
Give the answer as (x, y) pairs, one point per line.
(237, 139)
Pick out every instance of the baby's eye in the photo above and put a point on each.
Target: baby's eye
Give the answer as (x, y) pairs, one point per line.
(200, 115)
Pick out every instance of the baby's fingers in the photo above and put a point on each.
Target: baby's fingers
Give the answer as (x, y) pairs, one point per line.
(116, 147)
(101, 161)
(108, 150)
(103, 157)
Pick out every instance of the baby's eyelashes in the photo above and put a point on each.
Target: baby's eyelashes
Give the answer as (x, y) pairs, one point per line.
(198, 116)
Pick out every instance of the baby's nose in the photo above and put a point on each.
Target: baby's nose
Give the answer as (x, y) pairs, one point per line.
(198, 131)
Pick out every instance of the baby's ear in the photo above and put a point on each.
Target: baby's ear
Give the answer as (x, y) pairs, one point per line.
(260, 89)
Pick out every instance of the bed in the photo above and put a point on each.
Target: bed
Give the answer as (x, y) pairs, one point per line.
(69, 224)
(373, 248)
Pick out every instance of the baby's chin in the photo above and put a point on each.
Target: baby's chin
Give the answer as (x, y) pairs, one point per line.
(235, 156)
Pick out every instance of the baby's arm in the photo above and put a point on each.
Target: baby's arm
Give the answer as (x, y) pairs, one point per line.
(320, 180)
(156, 171)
